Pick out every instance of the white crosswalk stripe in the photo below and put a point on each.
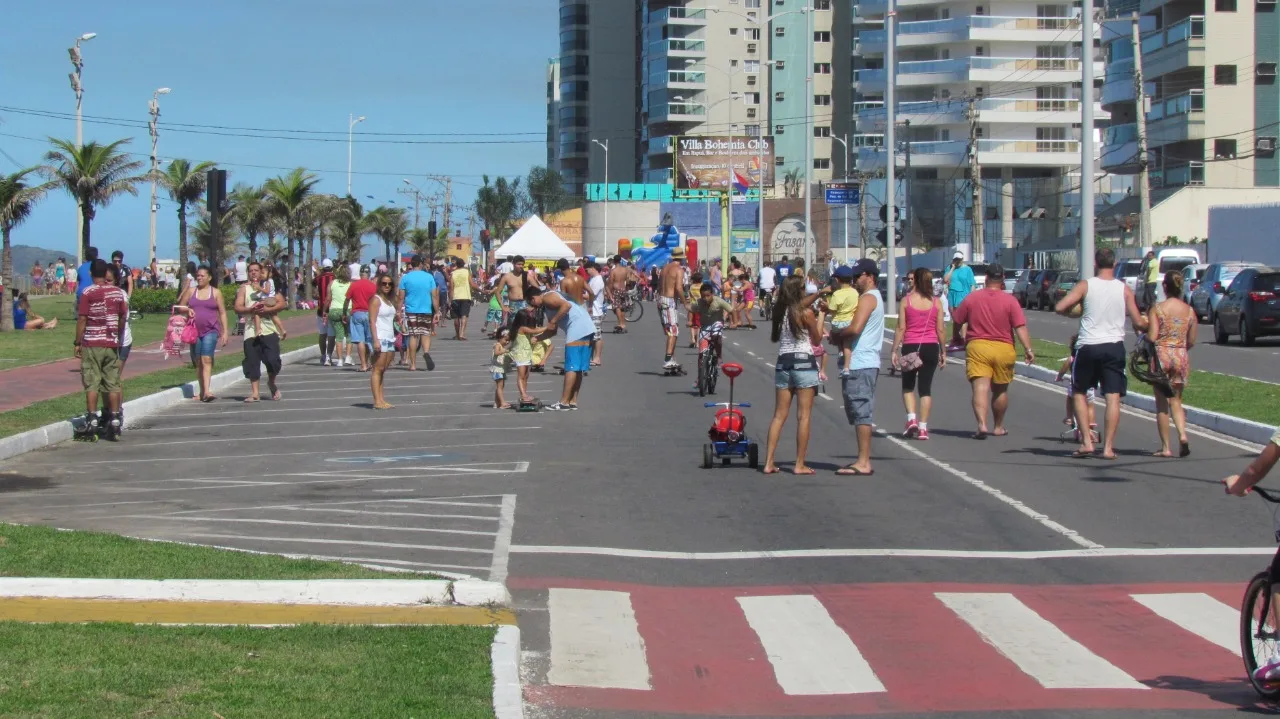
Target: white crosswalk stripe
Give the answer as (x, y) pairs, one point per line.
(809, 652)
(1034, 644)
(1199, 614)
(595, 640)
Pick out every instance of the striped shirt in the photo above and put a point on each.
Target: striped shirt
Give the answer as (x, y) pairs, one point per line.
(103, 306)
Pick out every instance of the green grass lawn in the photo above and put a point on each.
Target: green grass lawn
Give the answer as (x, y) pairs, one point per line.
(39, 414)
(27, 348)
(1247, 399)
(85, 671)
(33, 551)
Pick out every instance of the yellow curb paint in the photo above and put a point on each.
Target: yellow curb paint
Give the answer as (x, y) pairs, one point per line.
(94, 610)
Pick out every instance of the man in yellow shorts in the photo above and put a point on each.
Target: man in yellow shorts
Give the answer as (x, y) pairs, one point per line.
(993, 318)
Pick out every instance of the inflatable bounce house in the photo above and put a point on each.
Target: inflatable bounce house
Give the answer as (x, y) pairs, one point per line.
(658, 253)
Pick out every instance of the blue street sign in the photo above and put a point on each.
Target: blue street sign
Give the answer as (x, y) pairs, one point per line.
(843, 193)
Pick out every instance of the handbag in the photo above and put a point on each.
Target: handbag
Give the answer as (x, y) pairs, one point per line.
(189, 334)
(908, 362)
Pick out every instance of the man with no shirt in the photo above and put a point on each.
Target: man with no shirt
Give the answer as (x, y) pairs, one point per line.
(619, 276)
(671, 291)
(514, 282)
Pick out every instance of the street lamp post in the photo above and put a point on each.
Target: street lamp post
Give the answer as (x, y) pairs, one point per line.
(77, 61)
(605, 145)
(847, 156)
(808, 138)
(155, 161)
(352, 121)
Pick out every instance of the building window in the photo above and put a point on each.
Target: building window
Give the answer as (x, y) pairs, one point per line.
(733, 31)
(751, 98)
(751, 48)
(751, 79)
(753, 33)
(821, 163)
(822, 100)
(780, 64)
(1224, 149)
(1224, 74)
(779, 160)
(734, 63)
(779, 96)
(779, 129)
(753, 131)
(822, 36)
(749, 65)
(780, 31)
(822, 131)
(822, 68)
(751, 3)
(1224, 5)
(821, 4)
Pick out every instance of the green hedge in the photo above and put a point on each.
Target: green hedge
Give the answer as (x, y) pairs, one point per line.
(160, 301)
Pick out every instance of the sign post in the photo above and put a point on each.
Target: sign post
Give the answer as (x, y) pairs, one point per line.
(844, 193)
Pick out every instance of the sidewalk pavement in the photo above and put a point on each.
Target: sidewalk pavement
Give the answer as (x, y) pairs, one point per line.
(22, 386)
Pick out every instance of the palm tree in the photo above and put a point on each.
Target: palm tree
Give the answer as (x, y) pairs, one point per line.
(544, 193)
(497, 206)
(423, 243)
(252, 212)
(346, 230)
(274, 252)
(93, 175)
(206, 247)
(290, 197)
(186, 185)
(791, 183)
(391, 225)
(17, 199)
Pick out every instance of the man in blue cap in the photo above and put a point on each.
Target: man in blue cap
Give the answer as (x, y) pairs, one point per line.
(858, 380)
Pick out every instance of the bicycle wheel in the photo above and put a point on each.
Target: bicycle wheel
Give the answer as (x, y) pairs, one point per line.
(634, 311)
(702, 374)
(713, 370)
(1260, 635)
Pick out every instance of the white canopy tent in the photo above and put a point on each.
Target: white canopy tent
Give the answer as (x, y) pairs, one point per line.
(534, 241)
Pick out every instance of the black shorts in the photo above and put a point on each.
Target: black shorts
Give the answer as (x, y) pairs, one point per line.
(258, 351)
(461, 308)
(1100, 366)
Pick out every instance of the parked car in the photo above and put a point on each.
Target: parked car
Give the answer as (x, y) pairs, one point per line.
(1040, 294)
(1191, 276)
(1011, 278)
(1213, 285)
(1250, 307)
(979, 274)
(1066, 280)
(1173, 260)
(1021, 287)
(1128, 270)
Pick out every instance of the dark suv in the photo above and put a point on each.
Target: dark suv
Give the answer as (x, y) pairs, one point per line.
(1251, 306)
(1040, 289)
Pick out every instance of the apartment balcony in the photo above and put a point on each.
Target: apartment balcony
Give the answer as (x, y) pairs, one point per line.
(1016, 70)
(696, 49)
(678, 80)
(944, 153)
(661, 145)
(925, 113)
(1120, 149)
(975, 28)
(1190, 174)
(688, 17)
(678, 112)
(993, 153)
(1173, 48)
(1115, 89)
(877, 8)
(1176, 119)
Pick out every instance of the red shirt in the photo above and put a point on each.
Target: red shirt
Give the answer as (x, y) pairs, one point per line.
(990, 314)
(104, 307)
(322, 284)
(360, 293)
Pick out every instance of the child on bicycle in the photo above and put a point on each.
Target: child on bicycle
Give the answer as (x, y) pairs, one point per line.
(1063, 373)
(711, 312)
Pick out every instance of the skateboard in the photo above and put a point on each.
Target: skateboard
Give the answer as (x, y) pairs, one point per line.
(673, 371)
(534, 406)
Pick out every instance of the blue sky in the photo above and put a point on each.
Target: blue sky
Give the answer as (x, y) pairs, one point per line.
(409, 66)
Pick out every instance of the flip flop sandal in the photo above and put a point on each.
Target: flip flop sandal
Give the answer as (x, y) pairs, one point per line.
(853, 472)
(251, 400)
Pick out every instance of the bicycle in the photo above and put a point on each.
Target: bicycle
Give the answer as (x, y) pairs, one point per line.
(1260, 630)
(632, 308)
(709, 339)
(766, 305)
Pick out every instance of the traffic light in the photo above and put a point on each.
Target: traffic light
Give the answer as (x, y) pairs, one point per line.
(215, 190)
(432, 229)
(884, 213)
(883, 236)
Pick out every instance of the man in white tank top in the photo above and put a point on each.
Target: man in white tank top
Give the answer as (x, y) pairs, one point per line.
(1100, 352)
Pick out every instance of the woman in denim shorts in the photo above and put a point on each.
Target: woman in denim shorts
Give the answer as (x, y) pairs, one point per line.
(796, 372)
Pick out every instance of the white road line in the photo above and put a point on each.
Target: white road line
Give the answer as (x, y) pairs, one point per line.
(1042, 519)
(735, 344)
(296, 454)
(289, 523)
(753, 354)
(595, 641)
(1100, 553)
(504, 656)
(826, 396)
(1200, 614)
(417, 515)
(770, 364)
(447, 501)
(478, 394)
(379, 560)
(357, 377)
(393, 385)
(381, 473)
(309, 540)
(1035, 645)
(274, 422)
(321, 436)
(502, 545)
(809, 652)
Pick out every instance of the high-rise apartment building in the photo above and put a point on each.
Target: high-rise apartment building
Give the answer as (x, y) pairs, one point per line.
(553, 114)
(988, 83)
(1213, 112)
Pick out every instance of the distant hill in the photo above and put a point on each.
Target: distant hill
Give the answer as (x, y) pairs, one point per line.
(25, 255)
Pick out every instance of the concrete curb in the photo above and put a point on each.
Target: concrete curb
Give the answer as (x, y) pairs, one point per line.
(326, 592)
(137, 409)
(508, 698)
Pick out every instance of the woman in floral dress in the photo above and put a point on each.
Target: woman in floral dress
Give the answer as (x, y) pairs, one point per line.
(1173, 332)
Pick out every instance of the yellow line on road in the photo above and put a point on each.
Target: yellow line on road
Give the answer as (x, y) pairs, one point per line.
(147, 612)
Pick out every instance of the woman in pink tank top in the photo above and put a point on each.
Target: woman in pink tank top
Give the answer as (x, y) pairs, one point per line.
(917, 344)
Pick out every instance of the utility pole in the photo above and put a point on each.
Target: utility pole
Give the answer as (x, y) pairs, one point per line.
(1086, 141)
(417, 201)
(1144, 177)
(906, 191)
(154, 107)
(865, 181)
(448, 195)
(891, 154)
(77, 86)
(975, 181)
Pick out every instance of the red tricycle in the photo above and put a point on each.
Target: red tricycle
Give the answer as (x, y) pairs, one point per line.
(729, 430)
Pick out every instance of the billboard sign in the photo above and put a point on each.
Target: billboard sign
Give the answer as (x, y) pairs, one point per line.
(744, 241)
(711, 162)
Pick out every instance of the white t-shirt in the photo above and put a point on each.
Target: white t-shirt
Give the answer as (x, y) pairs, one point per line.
(242, 271)
(596, 285)
(768, 278)
(355, 270)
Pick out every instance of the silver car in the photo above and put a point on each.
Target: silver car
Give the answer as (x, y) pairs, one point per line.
(1213, 287)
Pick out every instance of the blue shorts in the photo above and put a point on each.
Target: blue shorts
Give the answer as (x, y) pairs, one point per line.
(577, 357)
(360, 328)
(205, 346)
(954, 299)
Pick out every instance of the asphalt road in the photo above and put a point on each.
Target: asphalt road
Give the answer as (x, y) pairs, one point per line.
(994, 578)
(1258, 362)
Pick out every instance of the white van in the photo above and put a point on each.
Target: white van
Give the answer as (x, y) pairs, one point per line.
(1173, 260)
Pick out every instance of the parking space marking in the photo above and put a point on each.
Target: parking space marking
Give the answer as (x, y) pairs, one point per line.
(478, 394)
(473, 467)
(502, 545)
(273, 423)
(446, 501)
(322, 436)
(294, 454)
(284, 522)
(358, 543)
(396, 385)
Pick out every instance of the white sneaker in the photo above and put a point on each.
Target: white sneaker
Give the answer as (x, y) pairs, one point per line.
(324, 360)
(337, 362)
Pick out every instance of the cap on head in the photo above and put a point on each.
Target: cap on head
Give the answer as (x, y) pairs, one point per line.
(844, 272)
(866, 267)
(958, 255)
(327, 264)
(995, 271)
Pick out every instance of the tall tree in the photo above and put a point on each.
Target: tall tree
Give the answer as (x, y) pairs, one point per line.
(544, 193)
(252, 212)
(93, 175)
(207, 247)
(391, 225)
(18, 197)
(290, 196)
(186, 185)
(346, 230)
(498, 205)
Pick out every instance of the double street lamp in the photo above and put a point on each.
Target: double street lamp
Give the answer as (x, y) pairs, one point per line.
(352, 121)
(154, 107)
